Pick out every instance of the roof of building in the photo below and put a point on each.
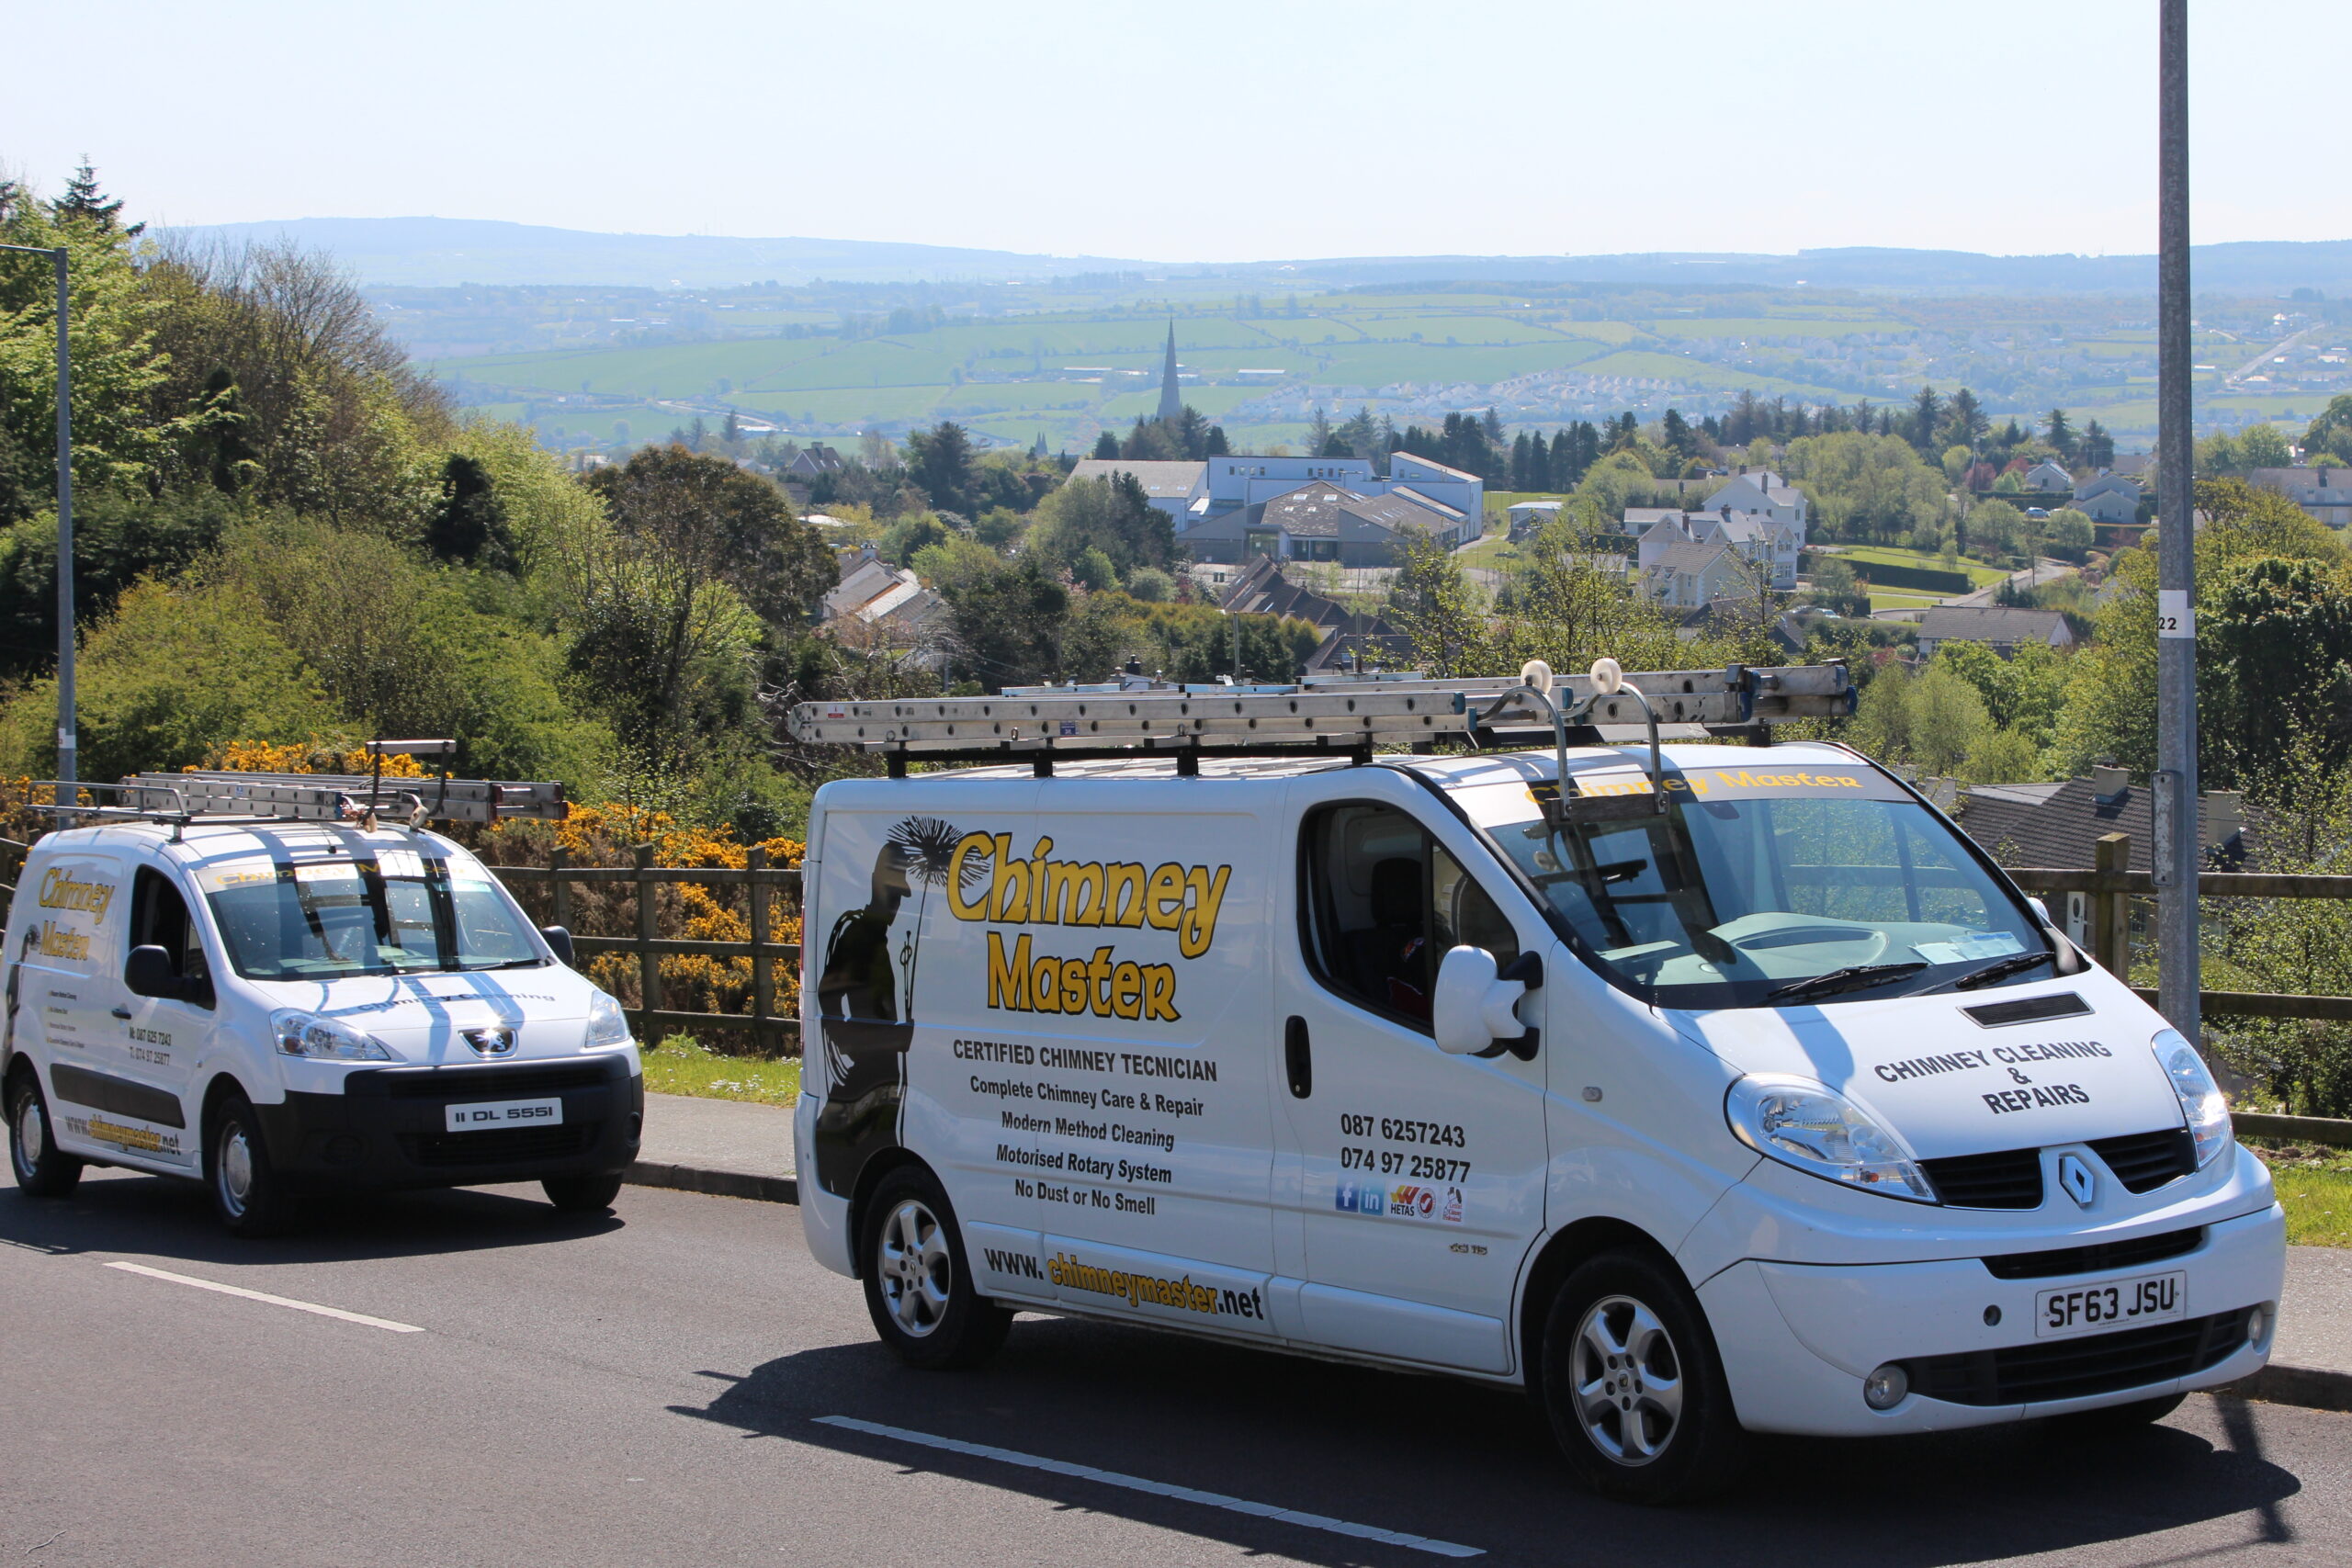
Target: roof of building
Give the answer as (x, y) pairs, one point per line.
(1439, 469)
(2021, 824)
(1263, 591)
(869, 580)
(2104, 483)
(1451, 513)
(1989, 623)
(1160, 481)
(1401, 508)
(1691, 556)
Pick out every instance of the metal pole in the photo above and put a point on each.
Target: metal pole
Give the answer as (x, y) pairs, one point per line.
(68, 749)
(2176, 848)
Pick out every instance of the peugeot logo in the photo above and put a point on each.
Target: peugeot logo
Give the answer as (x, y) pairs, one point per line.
(490, 1042)
(2075, 1176)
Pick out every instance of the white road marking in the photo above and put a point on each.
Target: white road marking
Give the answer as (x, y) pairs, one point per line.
(1158, 1488)
(358, 1317)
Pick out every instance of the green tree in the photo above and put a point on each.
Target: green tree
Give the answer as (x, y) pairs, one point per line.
(163, 678)
(1106, 447)
(2331, 433)
(2071, 533)
(717, 522)
(469, 527)
(1112, 515)
(2059, 434)
(2261, 446)
(939, 461)
(1956, 461)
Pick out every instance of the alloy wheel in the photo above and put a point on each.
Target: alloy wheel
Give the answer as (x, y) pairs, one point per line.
(1628, 1381)
(914, 1269)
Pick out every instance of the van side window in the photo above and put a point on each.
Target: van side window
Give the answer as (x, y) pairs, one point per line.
(1382, 902)
(159, 918)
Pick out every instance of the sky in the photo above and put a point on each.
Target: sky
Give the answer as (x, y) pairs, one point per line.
(1201, 129)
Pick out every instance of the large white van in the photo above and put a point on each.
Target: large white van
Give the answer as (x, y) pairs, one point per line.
(1744, 1095)
(270, 1005)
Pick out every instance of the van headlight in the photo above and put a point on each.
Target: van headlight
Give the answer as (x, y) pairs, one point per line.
(607, 1024)
(1823, 1134)
(300, 1033)
(2202, 1105)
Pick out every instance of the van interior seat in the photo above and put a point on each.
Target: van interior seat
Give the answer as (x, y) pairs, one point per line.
(1391, 958)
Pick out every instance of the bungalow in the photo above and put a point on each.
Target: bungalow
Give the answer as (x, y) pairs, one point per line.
(2108, 499)
(1323, 523)
(2002, 628)
(2326, 492)
(2048, 477)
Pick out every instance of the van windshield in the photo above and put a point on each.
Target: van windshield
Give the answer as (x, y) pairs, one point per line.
(323, 920)
(1775, 888)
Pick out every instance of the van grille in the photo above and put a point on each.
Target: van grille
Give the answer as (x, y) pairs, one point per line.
(2145, 1161)
(2094, 1259)
(2074, 1369)
(500, 1145)
(2010, 1179)
(483, 1083)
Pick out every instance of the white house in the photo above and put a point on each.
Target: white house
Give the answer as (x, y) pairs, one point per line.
(2048, 477)
(2001, 627)
(1756, 535)
(1527, 516)
(1765, 491)
(2324, 492)
(1239, 483)
(2108, 499)
(1690, 575)
(1321, 521)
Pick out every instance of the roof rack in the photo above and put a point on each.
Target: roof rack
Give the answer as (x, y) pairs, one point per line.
(222, 796)
(1335, 716)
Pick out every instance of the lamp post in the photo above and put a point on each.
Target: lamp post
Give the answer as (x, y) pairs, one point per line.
(66, 747)
(2177, 848)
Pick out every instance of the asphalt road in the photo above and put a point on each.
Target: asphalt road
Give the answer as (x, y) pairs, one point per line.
(650, 1389)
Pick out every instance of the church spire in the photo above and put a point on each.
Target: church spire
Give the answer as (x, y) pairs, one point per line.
(1171, 404)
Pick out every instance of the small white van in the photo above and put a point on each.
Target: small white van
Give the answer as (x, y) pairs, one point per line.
(1738, 1091)
(270, 1005)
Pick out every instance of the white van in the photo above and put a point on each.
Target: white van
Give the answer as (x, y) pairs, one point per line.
(1762, 1101)
(268, 1005)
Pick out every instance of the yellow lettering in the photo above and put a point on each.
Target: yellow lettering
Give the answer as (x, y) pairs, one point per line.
(1009, 889)
(1041, 895)
(1009, 978)
(1166, 896)
(1075, 990)
(1199, 928)
(1123, 889)
(1044, 985)
(1127, 991)
(1159, 992)
(969, 844)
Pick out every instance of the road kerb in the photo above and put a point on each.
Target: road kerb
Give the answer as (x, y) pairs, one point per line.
(2308, 1386)
(715, 1183)
(2311, 1387)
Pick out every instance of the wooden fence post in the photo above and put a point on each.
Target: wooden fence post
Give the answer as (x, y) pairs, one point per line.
(755, 861)
(560, 887)
(648, 965)
(2111, 911)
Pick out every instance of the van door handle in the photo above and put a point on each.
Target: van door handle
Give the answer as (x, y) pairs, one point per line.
(1297, 1060)
(122, 1013)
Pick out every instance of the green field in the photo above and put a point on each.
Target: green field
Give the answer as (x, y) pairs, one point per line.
(1978, 573)
(1042, 366)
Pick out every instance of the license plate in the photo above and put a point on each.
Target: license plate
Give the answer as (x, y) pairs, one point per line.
(505, 1113)
(2124, 1303)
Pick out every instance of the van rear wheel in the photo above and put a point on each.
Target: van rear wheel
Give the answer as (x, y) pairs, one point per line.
(248, 1194)
(918, 1286)
(1633, 1384)
(42, 1168)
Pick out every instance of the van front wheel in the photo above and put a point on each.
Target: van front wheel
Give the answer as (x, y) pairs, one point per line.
(918, 1285)
(248, 1194)
(1632, 1385)
(42, 1168)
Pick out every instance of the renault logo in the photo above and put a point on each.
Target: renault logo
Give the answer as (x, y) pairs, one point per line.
(2075, 1176)
(490, 1042)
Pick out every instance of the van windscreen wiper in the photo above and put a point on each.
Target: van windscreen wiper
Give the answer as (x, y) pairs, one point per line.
(1853, 978)
(2015, 964)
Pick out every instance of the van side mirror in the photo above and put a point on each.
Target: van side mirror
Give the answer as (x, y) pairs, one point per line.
(1471, 1012)
(148, 972)
(559, 941)
(2040, 911)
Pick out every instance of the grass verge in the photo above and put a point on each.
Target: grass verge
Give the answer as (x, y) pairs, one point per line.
(2315, 1188)
(681, 1064)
